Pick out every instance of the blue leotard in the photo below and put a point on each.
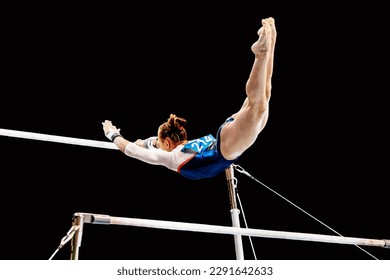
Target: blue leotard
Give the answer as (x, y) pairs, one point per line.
(208, 160)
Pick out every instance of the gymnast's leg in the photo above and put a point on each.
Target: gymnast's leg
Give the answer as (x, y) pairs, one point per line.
(239, 135)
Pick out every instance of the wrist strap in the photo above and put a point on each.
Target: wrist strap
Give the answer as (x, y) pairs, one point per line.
(111, 135)
(149, 143)
(115, 135)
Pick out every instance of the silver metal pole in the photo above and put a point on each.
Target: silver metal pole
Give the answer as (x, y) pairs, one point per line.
(78, 221)
(234, 211)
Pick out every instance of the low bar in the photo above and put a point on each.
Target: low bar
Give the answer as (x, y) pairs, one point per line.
(182, 226)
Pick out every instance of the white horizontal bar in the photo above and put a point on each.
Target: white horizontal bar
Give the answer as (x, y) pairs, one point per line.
(105, 219)
(58, 139)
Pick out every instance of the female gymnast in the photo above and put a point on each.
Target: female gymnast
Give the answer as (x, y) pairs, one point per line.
(207, 156)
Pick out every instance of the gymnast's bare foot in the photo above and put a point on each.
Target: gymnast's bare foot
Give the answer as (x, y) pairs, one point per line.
(264, 43)
(271, 23)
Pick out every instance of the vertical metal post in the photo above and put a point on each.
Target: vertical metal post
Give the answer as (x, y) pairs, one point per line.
(78, 220)
(234, 210)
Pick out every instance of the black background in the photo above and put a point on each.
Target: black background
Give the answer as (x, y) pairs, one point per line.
(325, 148)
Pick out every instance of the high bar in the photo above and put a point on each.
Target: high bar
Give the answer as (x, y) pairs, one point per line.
(182, 226)
(58, 139)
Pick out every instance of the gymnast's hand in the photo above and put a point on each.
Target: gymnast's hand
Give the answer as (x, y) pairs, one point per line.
(110, 129)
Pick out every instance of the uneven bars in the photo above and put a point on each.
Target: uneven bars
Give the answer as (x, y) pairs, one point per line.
(109, 220)
(58, 139)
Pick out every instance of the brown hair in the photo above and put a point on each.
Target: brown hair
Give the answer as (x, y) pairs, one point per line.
(174, 129)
